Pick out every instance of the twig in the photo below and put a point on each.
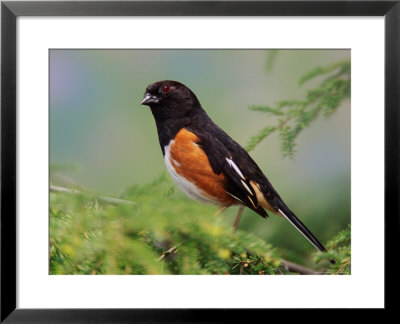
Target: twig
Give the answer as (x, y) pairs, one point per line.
(107, 200)
(293, 267)
(343, 266)
(170, 251)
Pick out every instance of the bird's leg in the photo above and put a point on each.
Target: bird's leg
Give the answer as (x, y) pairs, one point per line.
(239, 214)
(219, 211)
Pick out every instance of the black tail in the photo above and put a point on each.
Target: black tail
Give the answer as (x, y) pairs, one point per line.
(302, 229)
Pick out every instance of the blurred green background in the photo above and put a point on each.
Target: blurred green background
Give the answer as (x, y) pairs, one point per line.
(103, 140)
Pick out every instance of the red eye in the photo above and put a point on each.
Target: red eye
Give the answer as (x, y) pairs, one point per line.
(165, 88)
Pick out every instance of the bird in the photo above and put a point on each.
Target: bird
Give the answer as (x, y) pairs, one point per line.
(206, 163)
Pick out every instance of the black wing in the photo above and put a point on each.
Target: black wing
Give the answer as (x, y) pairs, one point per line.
(229, 158)
(238, 185)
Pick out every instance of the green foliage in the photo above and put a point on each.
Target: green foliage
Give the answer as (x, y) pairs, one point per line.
(339, 250)
(292, 116)
(254, 140)
(163, 233)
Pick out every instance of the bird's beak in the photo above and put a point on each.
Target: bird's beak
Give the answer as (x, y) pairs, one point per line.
(149, 99)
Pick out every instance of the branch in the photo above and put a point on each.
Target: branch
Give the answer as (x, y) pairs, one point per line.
(107, 200)
(170, 251)
(293, 267)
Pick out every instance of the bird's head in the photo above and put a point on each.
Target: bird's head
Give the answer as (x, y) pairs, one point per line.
(170, 97)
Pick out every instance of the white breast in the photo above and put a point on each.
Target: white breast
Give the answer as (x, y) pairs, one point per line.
(186, 186)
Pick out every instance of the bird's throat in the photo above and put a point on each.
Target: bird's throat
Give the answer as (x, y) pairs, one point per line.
(167, 128)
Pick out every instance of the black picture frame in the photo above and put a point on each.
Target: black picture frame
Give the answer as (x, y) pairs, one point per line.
(11, 10)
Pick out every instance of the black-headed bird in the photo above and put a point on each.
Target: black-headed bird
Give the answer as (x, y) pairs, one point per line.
(206, 163)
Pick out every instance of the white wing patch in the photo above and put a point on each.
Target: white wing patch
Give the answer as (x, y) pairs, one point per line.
(235, 197)
(242, 181)
(235, 167)
(246, 186)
